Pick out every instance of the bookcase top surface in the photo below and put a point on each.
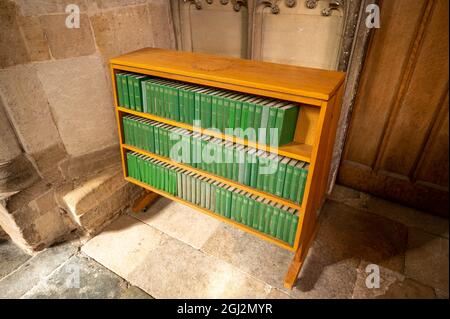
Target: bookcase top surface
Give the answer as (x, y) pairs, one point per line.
(294, 80)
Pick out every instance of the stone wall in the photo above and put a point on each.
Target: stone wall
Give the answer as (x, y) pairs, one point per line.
(57, 125)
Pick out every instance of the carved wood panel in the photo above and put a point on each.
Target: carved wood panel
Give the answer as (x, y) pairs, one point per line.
(314, 33)
(397, 146)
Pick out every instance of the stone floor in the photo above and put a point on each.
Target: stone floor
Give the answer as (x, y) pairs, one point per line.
(172, 251)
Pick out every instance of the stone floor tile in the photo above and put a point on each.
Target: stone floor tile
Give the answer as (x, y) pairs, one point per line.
(82, 278)
(346, 232)
(427, 259)
(393, 285)
(177, 220)
(276, 293)
(349, 196)
(11, 257)
(320, 280)
(36, 268)
(257, 257)
(168, 268)
(409, 216)
(405, 215)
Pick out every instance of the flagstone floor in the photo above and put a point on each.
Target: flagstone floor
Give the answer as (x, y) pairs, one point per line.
(172, 251)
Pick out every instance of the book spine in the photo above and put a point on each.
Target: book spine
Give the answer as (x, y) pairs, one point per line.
(137, 95)
(287, 181)
(280, 177)
(301, 186)
(119, 89)
(274, 222)
(293, 230)
(126, 100)
(271, 124)
(214, 111)
(131, 92)
(257, 120)
(280, 224)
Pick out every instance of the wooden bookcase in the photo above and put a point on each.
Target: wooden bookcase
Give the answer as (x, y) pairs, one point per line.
(318, 93)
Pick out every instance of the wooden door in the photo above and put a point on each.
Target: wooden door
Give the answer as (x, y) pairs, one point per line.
(397, 145)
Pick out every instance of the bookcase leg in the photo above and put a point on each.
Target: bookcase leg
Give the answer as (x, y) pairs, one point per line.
(297, 262)
(143, 201)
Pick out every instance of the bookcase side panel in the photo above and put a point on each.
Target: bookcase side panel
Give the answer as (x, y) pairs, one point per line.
(119, 116)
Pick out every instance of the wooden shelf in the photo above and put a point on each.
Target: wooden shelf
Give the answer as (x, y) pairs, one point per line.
(210, 213)
(293, 150)
(287, 82)
(319, 93)
(217, 178)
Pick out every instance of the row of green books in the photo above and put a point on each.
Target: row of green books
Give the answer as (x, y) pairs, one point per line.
(253, 211)
(278, 175)
(266, 120)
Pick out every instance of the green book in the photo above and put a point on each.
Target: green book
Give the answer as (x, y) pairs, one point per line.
(119, 89)
(293, 230)
(137, 82)
(250, 210)
(257, 212)
(264, 123)
(213, 200)
(145, 99)
(287, 224)
(244, 208)
(229, 158)
(232, 110)
(239, 198)
(130, 83)
(198, 103)
(269, 182)
(262, 164)
(281, 176)
(302, 183)
(218, 205)
(223, 200)
(228, 201)
(254, 167)
(257, 118)
(286, 122)
(234, 196)
(226, 110)
(251, 117)
(126, 100)
(288, 178)
(238, 111)
(267, 213)
(262, 215)
(295, 182)
(274, 220)
(206, 108)
(281, 221)
(271, 123)
(247, 165)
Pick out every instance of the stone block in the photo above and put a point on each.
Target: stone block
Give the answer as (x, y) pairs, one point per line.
(33, 219)
(145, 257)
(162, 25)
(25, 101)
(47, 163)
(95, 282)
(34, 38)
(11, 256)
(34, 270)
(13, 49)
(392, 286)
(106, 4)
(81, 103)
(99, 199)
(427, 259)
(36, 8)
(75, 168)
(9, 146)
(122, 30)
(65, 42)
